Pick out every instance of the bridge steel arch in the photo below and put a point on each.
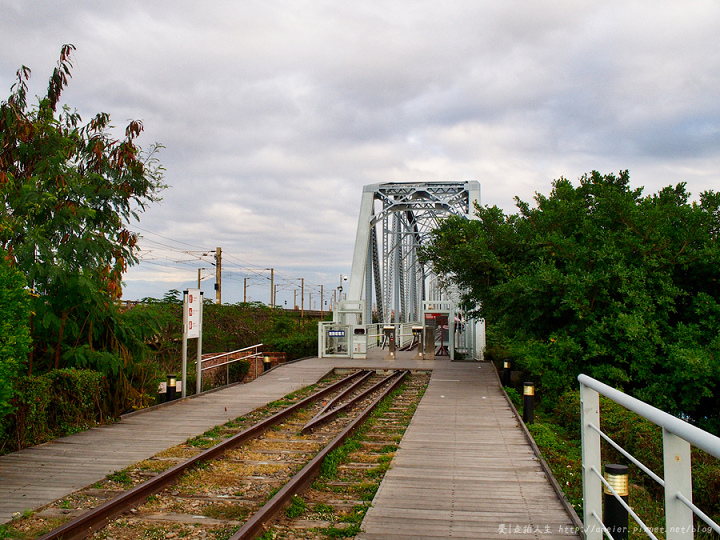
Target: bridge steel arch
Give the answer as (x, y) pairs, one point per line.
(395, 221)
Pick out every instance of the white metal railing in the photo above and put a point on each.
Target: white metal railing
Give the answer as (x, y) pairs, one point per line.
(678, 436)
(374, 335)
(256, 354)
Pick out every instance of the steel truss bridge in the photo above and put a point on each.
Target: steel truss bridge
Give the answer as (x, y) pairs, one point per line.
(390, 287)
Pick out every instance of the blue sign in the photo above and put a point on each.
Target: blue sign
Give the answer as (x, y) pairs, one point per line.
(336, 333)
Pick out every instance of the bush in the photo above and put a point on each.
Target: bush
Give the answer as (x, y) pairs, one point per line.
(238, 370)
(57, 403)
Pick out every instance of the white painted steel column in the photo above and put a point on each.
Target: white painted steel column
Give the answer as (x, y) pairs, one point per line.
(362, 240)
(367, 316)
(473, 189)
(396, 270)
(592, 486)
(678, 479)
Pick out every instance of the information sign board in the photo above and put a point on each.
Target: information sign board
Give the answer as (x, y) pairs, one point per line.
(192, 313)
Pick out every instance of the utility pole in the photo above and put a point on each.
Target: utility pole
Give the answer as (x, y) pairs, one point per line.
(295, 299)
(272, 287)
(321, 302)
(218, 275)
(302, 298)
(245, 290)
(199, 276)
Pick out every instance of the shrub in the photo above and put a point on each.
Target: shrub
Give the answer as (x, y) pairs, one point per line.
(57, 403)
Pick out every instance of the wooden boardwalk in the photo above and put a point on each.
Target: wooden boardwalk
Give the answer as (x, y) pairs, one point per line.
(39, 475)
(464, 468)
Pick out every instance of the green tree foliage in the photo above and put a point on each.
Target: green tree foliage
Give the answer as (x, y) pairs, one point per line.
(14, 333)
(67, 191)
(600, 279)
(226, 328)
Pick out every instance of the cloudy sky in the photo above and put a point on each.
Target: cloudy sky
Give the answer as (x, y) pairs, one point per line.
(275, 114)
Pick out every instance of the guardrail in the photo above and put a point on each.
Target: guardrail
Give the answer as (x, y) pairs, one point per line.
(256, 354)
(678, 436)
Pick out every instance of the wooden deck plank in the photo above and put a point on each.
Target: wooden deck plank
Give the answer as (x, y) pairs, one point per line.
(464, 469)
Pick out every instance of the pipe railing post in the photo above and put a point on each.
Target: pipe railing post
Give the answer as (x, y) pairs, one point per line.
(678, 479)
(590, 442)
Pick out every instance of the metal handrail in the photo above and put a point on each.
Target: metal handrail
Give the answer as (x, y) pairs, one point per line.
(231, 361)
(694, 435)
(232, 352)
(254, 355)
(678, 436)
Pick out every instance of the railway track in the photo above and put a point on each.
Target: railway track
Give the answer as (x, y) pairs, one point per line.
(237, 488)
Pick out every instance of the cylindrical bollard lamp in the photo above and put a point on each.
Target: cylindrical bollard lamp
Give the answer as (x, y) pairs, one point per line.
(171, 386)
(529, 403)
(267, 364)
(507, 373)
(616, 516)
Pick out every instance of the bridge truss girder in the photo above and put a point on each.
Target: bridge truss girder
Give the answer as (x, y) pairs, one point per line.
(395, 222)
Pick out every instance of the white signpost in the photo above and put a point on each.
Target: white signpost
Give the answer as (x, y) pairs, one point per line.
(192, 328)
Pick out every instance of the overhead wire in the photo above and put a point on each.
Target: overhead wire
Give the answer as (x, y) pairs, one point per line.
(235, 270)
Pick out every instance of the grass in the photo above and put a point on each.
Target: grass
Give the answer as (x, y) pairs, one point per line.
(296, 508)
(121, 477)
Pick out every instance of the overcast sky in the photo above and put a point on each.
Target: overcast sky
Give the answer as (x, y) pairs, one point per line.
(275, 114)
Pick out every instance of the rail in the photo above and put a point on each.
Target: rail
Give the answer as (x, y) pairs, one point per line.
(678, 437)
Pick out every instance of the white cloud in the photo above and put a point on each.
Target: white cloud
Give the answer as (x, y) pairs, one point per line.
(275, 114)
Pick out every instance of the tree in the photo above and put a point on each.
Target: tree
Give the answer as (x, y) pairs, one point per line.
(68, 190)
(14, 332)
(602, 280)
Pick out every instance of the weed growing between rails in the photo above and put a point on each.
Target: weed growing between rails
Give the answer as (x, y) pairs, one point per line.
(338, 500)
(31, 525)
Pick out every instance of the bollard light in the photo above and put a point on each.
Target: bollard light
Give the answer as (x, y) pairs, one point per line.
(266, 363)
(615, 517)
(529, 403)
(171, 387)
(507, 373)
